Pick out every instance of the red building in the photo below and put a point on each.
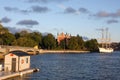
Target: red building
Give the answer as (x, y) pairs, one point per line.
(62, 36)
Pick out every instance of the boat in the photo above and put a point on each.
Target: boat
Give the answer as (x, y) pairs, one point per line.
(105, 50)
(105, 42)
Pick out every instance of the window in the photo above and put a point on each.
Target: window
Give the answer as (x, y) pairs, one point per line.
(26, 60)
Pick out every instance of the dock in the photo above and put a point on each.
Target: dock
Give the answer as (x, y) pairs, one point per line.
(6, 75)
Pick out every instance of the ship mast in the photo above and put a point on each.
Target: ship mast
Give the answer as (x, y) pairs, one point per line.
(105, 38)
(102, 39)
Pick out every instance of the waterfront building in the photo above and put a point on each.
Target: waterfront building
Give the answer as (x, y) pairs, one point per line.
(62, 36)
(16, 61)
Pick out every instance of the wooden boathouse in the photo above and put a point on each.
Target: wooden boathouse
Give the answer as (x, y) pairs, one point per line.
(16, 61)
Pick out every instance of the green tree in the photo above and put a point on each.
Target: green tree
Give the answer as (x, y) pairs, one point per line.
(73, 44)
(24, 33)
(49, 42)
(7, 38)
(17, 35)
(92, 45)
(1, 41)
(62, 44)
(80, 42)
(25, 42)
(37, 37)
(3, 30)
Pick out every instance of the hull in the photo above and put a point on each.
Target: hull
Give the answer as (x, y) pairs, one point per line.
(105, 50)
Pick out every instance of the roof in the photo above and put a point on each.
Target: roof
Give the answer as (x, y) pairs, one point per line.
(19, 53)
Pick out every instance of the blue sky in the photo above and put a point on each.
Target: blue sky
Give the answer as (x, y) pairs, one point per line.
(81, 17)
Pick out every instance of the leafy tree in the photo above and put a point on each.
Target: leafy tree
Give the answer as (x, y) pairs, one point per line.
(80, 42)
(3, 30)
(37, 37)
(1, 41)
(27, 39)
(49, 42)
(24, 33)
(17, 35)
(25, 42)
(62, 44)
(73, 44)
(7, 38)
(92, 45)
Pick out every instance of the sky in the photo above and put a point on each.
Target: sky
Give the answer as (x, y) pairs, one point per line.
(76, 17)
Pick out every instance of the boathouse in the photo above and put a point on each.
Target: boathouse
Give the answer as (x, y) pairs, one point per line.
(16, 61)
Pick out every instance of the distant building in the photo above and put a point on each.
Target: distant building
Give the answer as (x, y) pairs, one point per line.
(16, 61)
(62, 36)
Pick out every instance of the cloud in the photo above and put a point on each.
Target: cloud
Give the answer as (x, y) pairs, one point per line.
(24, 11)
(10, 8)
(15, 29)
(46, 1)
(36, 9)
(102, 14)
(14, 9)
(70, 10)
(112, 21)
(83, 10)
(39, 9)
(5, 20)
(105, 14)
(28, 23)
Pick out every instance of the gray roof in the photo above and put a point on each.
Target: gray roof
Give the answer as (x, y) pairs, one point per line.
(19, 53)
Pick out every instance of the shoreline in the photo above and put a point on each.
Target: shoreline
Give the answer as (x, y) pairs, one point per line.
(62, 51)
(41, 51)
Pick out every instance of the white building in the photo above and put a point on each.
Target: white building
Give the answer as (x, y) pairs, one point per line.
(16, 61)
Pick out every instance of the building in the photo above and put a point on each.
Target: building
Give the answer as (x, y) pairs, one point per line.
(16, 61)
(62, 36)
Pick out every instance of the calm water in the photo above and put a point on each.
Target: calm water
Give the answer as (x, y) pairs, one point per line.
(93, 66)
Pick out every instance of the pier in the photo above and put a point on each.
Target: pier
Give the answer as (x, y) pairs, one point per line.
(6, 75)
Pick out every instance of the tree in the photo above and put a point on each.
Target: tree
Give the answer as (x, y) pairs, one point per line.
(49, 42)
(80, 42)
(37, 37)
(17, 35)
(7, 38)
(24, 33)
(3, 30)
(62, 44)
(25, 42)
(73, 44)
(92, 45)
(1, 41)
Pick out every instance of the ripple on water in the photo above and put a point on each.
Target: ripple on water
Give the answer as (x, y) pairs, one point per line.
(75, 67)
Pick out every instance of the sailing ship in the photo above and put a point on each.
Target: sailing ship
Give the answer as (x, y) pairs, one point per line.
(105, 42)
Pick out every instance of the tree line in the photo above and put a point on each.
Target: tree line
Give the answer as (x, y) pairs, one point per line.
(31, 39)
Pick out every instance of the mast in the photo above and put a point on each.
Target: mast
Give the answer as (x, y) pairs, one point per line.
(106, 40)
(109, 41)
(102, 40)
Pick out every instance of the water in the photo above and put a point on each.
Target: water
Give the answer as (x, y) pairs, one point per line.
(93, 66)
